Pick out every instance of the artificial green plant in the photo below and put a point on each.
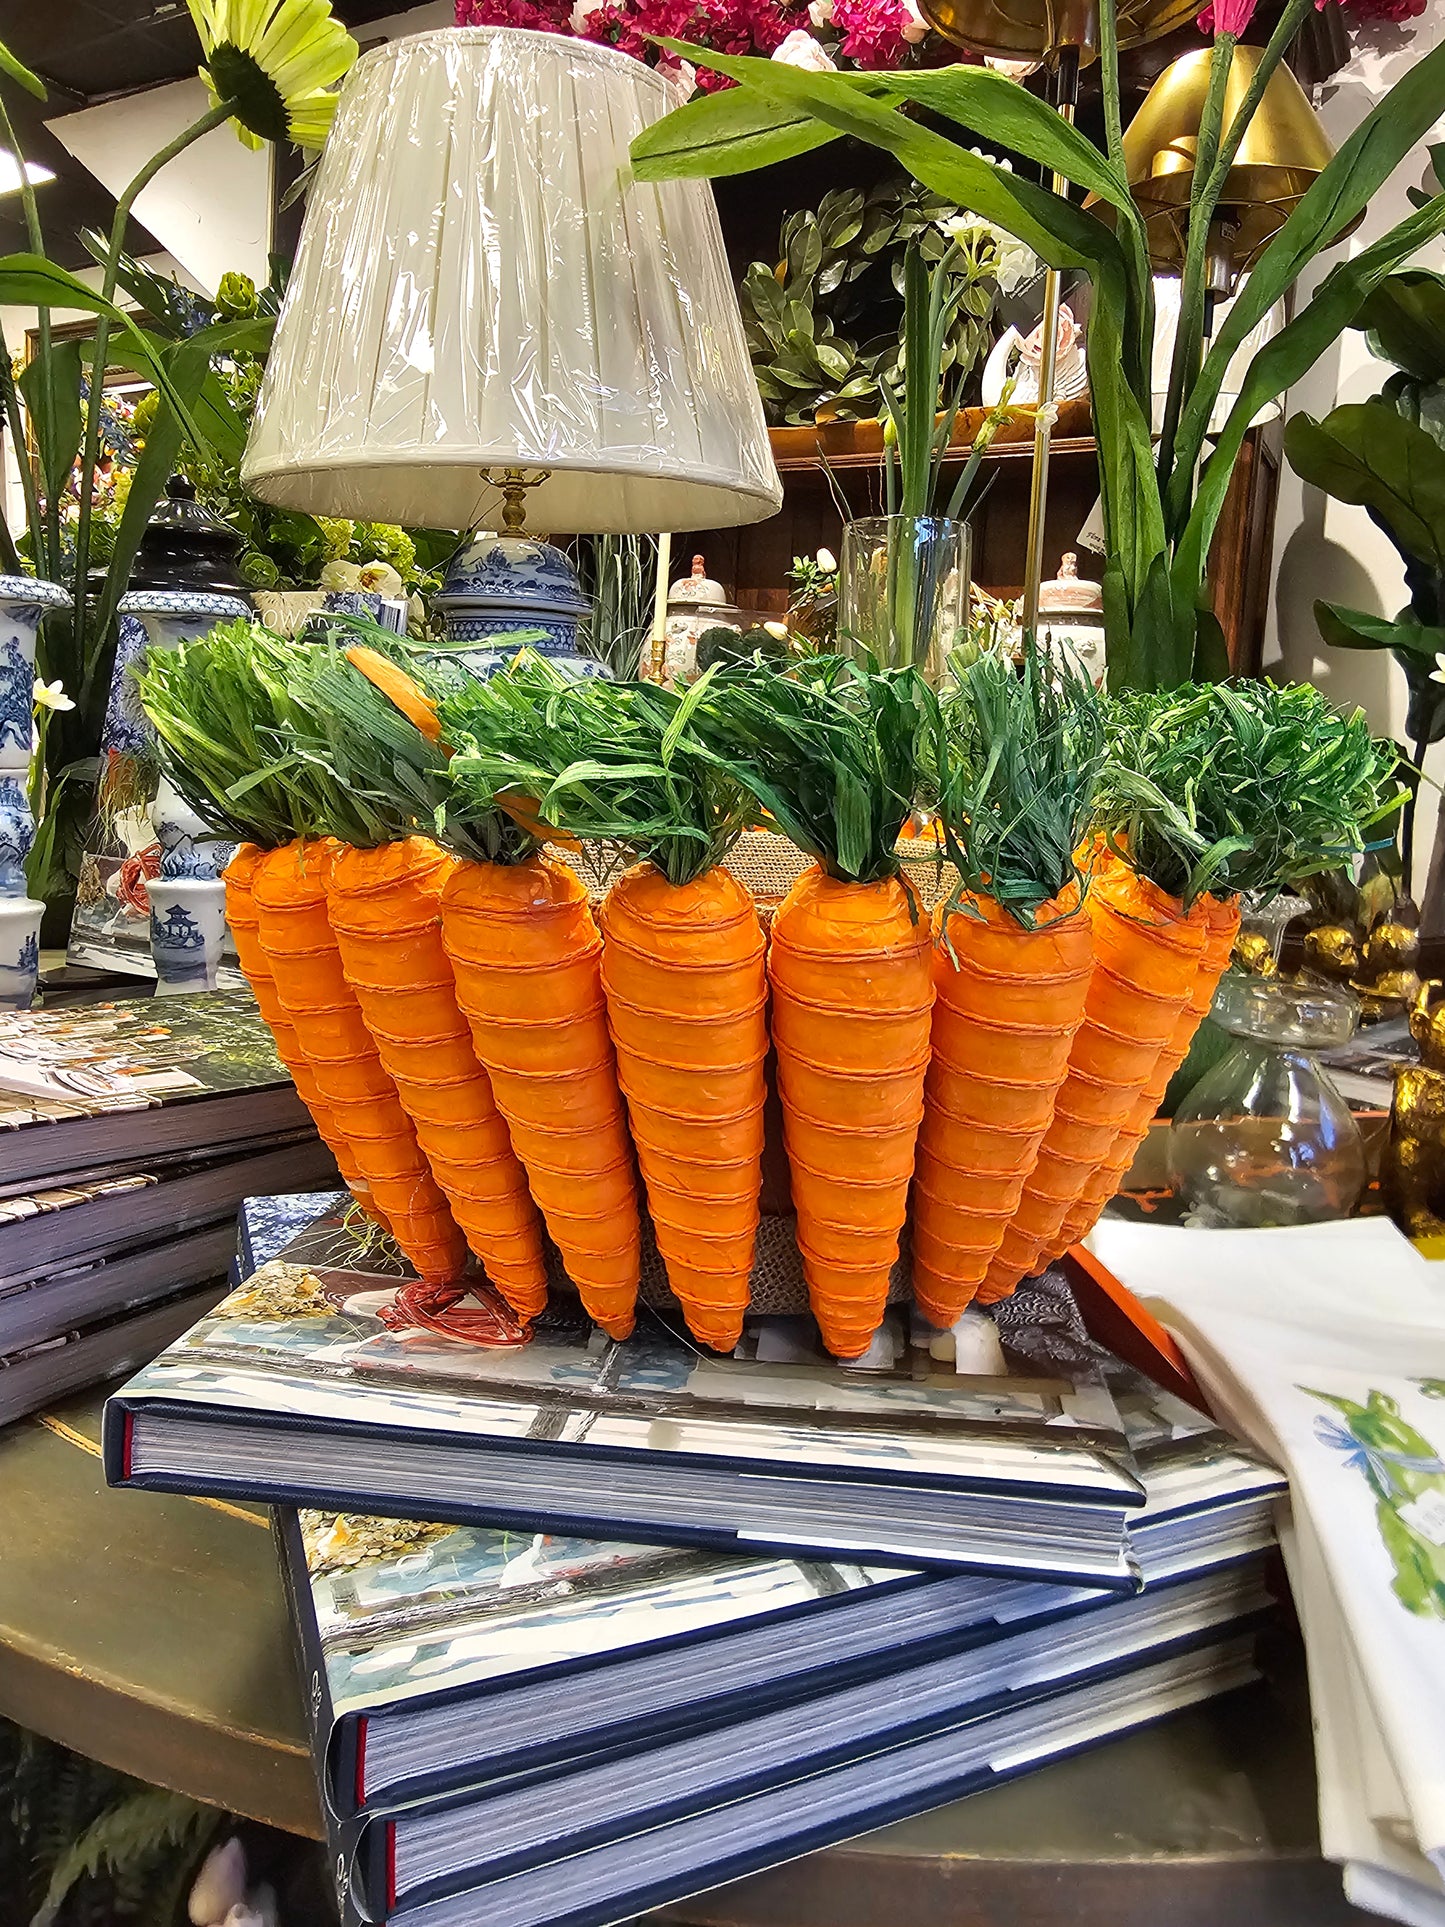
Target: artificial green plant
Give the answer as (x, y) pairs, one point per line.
(824, 324)
(268, 67)
(1160, 509)
(1387, 455)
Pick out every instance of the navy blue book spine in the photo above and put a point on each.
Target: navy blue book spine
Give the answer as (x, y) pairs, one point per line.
(326, 1735)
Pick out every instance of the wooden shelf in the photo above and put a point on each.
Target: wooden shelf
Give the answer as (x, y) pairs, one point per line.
(860, 444)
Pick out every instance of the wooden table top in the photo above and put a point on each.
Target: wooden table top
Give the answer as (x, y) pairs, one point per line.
(149, 1632)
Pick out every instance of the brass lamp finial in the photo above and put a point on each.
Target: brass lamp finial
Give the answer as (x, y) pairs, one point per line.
(1283, 150)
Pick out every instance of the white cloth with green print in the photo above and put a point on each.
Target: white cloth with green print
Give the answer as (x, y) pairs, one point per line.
(1325, 1345)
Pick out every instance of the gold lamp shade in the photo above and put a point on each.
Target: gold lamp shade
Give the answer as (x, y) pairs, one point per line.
(1283, 150)
(1034, 29)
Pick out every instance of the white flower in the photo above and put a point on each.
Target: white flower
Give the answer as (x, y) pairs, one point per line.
(827, 562)
(800, 49)
(820, 12)
(915, 28)
(1437, 674)
(51, 695)
(682, 74)
(1011, 70)
(380, 578)
(1048, 414)
(1016, 263)
(341, 575)
(581, 14)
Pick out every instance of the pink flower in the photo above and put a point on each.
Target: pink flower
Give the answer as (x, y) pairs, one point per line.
(1230, 16)
(875, 32)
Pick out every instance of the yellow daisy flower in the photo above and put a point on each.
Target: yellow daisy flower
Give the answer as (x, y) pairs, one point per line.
(276, 61)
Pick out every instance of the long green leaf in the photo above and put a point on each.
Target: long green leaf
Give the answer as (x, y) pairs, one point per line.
(1341, 192)
(1282, 361)
(17, 71)
(1356, 629)
(51, 387)
(732, 132)
(1057, 231)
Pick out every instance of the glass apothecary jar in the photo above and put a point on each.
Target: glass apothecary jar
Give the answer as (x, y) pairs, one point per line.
(1265, 1138)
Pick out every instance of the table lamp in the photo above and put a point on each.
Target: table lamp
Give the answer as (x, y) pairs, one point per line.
(487, 308)
(1283, 152)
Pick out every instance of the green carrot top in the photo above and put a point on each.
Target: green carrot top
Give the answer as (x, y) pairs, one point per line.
(223, 708)
(367, 730)
(1016, 791)
(1239, 786)
(608, 762)
(831, 751)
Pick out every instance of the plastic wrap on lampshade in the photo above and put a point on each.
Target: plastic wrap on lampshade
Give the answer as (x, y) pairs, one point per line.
(481, 283)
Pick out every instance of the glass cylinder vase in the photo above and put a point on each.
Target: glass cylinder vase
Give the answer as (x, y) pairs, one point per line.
(903, 590)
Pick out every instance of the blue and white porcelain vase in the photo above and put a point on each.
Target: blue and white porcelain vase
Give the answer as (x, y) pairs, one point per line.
(192, 854)
(24, 604)
(503, 586)
(188, 932)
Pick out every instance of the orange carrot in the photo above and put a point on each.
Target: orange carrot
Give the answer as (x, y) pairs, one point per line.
(1221, 928)
(683, 974)
(852, 987)
(524, 948)
(1009, 1002)
(385, 910)
(289, 893)
(242, 917)
(1146, 961)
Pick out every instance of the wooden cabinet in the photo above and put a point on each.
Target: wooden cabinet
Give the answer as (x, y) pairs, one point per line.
(753, 561)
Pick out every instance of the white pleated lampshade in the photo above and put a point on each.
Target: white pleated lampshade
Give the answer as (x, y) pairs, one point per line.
(481, 284)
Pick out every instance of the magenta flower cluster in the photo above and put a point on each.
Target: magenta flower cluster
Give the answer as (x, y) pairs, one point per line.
(862, 33)
(1233, 16)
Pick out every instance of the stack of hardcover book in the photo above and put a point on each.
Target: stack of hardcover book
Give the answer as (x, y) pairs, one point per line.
(587, 1627)
(129, 1134)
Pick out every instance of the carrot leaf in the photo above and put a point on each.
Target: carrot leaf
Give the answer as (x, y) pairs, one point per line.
(832, 751)
(1016, 791)
(1240, 786)
(611, 763)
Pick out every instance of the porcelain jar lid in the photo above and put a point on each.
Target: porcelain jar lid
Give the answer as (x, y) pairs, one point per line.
(512, 572)
(186, 548)
(697, 587)
(1070, 594)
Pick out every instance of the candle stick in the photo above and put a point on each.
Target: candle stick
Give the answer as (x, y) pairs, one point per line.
(659, 606)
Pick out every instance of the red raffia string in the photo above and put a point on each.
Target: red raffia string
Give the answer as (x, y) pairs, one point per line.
(486, 1321)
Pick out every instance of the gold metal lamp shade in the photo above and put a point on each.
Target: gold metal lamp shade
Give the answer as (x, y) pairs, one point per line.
(1035, 29)
(1283, 150)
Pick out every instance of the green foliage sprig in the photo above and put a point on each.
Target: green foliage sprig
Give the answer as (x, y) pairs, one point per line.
(1234, 787)
(831, 750)
(608, 762)
(1016, 795)
(824, 324)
